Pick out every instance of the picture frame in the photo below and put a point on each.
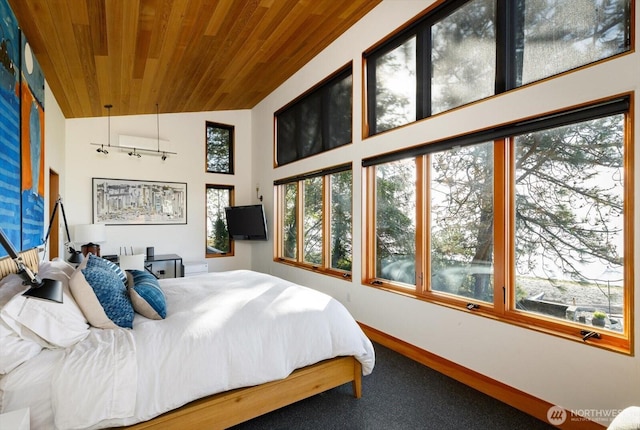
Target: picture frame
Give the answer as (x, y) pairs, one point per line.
(138, 202)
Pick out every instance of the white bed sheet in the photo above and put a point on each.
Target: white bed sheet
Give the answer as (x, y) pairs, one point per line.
(29, 385)
(223, 331)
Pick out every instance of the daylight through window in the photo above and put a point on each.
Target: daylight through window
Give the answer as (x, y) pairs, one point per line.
(557, 182)
(467, 50)
(315, 220)
(218, 197)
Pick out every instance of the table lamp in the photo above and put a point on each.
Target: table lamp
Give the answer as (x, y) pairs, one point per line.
(46, 289)
(91, 235)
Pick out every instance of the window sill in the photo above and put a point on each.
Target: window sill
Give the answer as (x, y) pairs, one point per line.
(608, 340)
(316, 269)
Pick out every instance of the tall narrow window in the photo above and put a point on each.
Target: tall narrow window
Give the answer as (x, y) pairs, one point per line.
(396, 221)
(219, 148)
(461, 203)
(313, 220)
(569, 231)
(341, 220)
(290, 221)
(217, 243)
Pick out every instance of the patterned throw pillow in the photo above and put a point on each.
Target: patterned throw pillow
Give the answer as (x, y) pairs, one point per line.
(89, 304)
(146, 295)
(94, 261)
(111, 293)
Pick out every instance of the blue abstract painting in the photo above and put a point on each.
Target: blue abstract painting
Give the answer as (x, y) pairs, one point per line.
(22, 180)
(32, 154)
(10, 180)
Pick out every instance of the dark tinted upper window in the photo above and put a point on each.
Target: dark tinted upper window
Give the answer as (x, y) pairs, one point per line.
(467, 50)
(318, 121)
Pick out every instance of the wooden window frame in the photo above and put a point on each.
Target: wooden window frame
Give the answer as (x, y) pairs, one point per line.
(507, 15)
(231, 144)
(298, 261)
(503, 306)
(231, 190)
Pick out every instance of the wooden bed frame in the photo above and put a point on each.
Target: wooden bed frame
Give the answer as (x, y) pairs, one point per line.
(227, 409)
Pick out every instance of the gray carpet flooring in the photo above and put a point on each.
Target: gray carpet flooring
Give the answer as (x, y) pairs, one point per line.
(400, 394)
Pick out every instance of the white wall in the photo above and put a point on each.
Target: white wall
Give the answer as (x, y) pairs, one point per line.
(562, 372)
(186, 134)
(54, 137)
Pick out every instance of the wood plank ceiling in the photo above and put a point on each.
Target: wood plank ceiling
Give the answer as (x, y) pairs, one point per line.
(184, 55)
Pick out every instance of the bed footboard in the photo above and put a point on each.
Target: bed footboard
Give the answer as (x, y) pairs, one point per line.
(227, 409)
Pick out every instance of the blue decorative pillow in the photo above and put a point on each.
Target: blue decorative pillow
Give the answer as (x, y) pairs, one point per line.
(146, 295)
(112, 294)
(94, 261)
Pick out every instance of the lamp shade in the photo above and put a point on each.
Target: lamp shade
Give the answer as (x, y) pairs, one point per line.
(90, 233)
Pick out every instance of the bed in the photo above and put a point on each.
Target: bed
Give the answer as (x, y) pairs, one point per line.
(231, 346)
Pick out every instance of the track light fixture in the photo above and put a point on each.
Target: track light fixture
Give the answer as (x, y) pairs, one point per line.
(101, 149)
(134, 151)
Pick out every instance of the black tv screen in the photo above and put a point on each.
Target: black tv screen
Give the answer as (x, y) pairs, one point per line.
(246, 222)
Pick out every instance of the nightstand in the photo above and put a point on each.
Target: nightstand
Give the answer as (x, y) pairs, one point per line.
(15, 420)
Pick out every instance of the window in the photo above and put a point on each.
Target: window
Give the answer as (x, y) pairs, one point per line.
(219, 148)
(396, 220)
(463, 55)
(315, 220)
(317, 122)
(395, 98)
(568, 218)
(461, 228)
(218, 197)
(290, 220)
(437, 217)
(466, 50)
(312, 220)
(341, 221)
(573, 33)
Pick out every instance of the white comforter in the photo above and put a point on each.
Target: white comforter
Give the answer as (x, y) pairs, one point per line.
(223, 331)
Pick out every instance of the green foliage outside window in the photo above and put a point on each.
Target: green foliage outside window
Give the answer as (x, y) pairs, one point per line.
(218, 197)
(219, 148)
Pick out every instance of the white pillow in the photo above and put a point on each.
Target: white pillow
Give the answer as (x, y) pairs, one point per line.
(58, 324)
(57, 265)
(10, 285)
(14, 350)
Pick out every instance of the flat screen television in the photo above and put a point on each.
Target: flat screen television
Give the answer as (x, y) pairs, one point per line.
(246, 222)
